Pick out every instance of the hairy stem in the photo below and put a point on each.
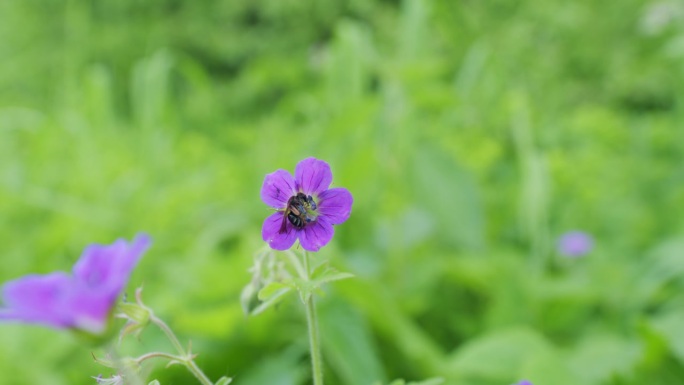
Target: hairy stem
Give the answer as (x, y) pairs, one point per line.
(312, 322)
(167, 356)
(187, 360)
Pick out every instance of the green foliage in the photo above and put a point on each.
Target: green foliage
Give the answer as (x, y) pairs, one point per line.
(472, 134)
(432, 381)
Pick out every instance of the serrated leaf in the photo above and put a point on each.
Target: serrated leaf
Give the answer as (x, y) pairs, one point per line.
(318, 266)
(305, 289)
(330, 275)
(272, 289)
(272, 300)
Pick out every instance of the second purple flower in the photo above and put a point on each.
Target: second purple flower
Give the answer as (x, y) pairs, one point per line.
(575, 244)
(83, 300)
(307, 207)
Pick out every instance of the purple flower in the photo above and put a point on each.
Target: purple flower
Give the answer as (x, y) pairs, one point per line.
(307, 208)
(575, 244)
(82, 300)
(524, 382)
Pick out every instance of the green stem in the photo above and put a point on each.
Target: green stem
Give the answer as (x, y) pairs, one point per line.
(167, 356)
(312, 322)
(169, 333)
(187, 360)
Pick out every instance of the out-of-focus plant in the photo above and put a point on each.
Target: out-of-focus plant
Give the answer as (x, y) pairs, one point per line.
(85, 303)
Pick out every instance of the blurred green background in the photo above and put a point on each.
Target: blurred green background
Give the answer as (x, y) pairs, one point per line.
(472, 134)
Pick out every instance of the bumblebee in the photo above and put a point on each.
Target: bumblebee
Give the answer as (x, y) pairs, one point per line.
(299, 211)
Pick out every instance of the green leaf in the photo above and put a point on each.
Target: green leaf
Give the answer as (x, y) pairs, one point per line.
(272, 289)
(320, 276)
(670, 326)
(348, 345)
(156, 382)
(499, 355)
(330, 275)
(224, 381)
(283, 368)
(305, 289)
(599, 356)
(429, 381)
(550, 368)
(274, 296)
(662, 264)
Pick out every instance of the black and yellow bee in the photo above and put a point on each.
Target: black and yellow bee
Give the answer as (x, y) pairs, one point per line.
(299, 211)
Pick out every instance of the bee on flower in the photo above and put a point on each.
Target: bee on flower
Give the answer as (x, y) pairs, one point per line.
(307, 208)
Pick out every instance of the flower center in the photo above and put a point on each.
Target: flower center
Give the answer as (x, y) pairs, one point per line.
(301, 210)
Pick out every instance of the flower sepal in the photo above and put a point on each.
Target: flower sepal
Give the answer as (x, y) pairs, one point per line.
(134, 313)
(137, 315)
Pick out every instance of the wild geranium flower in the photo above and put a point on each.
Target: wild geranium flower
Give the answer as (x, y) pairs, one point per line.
(575, 244)
(524, 382)
(307, 207)
(82, 300)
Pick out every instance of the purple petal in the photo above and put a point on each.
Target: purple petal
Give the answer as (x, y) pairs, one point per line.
(316, 234)
(335, 204)
(313, 176)
(108, 267)
(37, 299)
(277, 189)
(89, 308)
(82, 301)
(270, 232)
(575, 244)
